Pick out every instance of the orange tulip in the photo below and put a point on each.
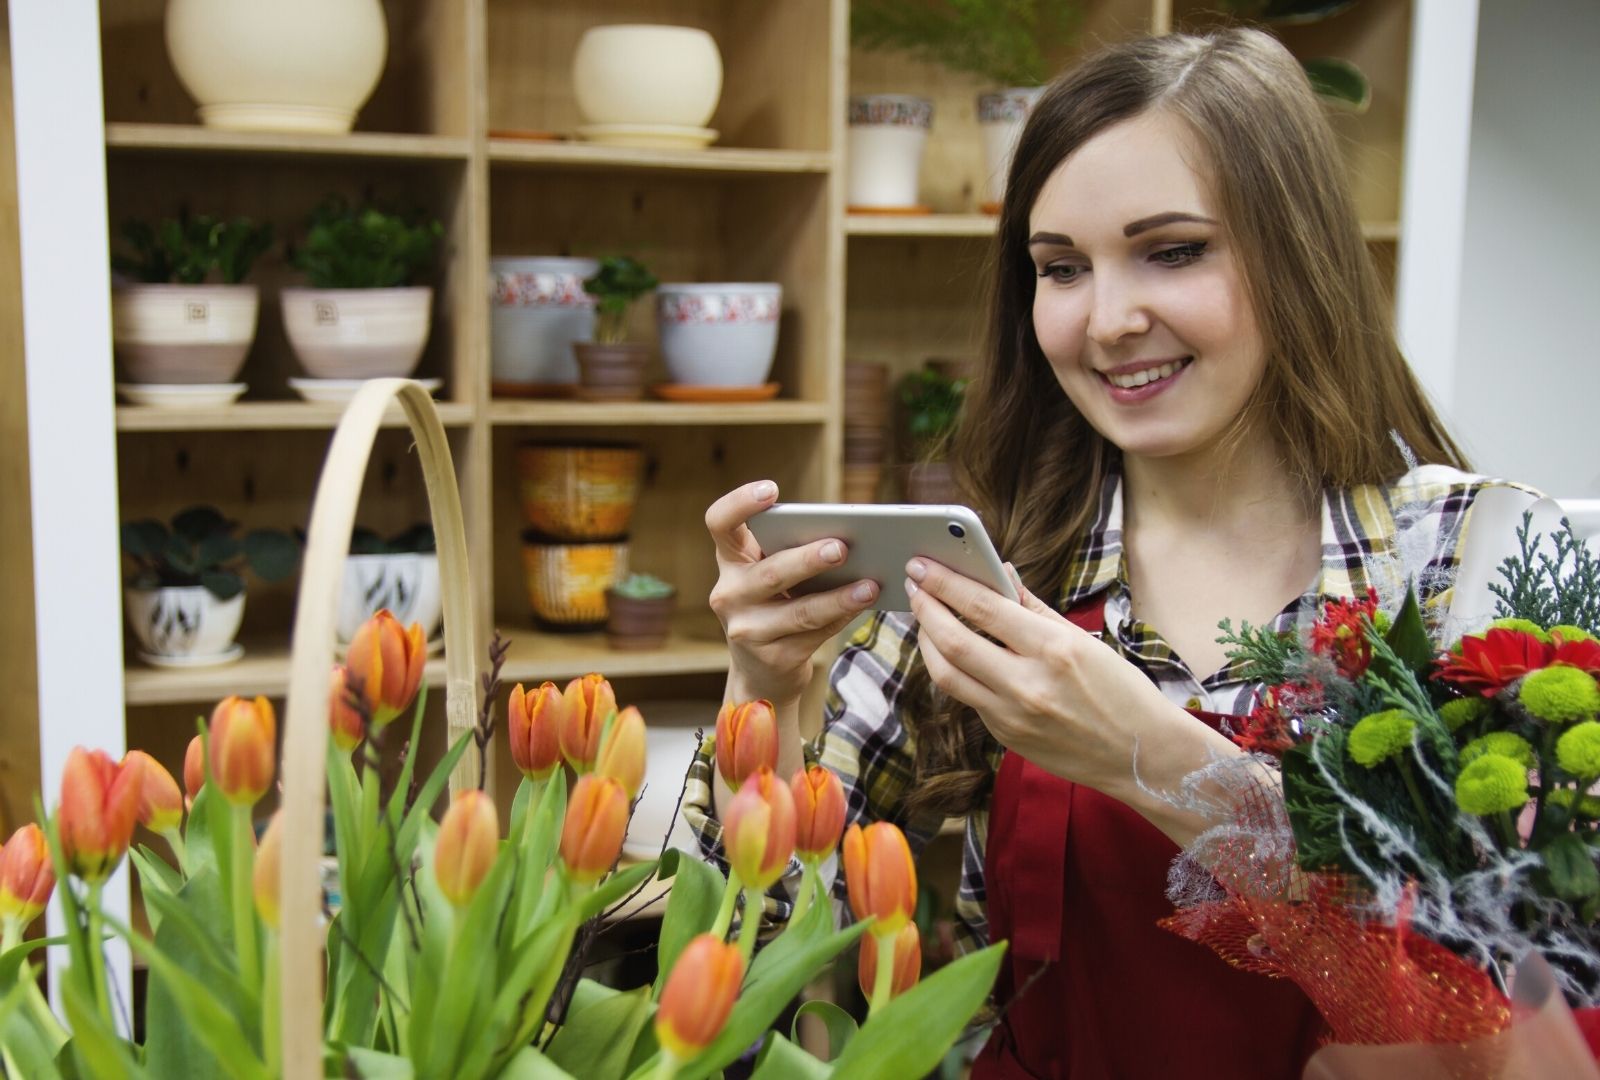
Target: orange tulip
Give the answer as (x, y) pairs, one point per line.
(819, 812)
(194, 767)
(469, 840)
(747, 740)
(597, 820)
(160, 802)
(534, 725)
(268, 871)
(387, 659)
(758, 830)
(699, 995)
(622, 756)
(585, 705)
(344, 718)
(26, 877)
(907, 962)
(99, 807)
(880, 875)
(243, 748)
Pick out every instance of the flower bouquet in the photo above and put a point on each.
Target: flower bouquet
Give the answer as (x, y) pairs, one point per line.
(1410, 827)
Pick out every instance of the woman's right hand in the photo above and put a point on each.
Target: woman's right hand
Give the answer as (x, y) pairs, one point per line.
(772, 636)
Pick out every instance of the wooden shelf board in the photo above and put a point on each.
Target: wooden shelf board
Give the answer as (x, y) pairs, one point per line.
(263, 670)
(194, 139)
(713, 160)
(535, 656)
(929, 225)
(1381, 230)
(263, 416)
(655, 413)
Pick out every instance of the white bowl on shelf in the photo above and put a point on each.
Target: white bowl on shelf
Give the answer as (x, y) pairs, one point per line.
(182, 395)
(340, 391)
(719, 334)
(184, 626)
(644, 74)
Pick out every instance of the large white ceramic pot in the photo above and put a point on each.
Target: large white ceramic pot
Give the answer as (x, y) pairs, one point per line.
(189, 334)
(184, 626)
(1001, 116)
(537, 309)
(719, 334)
(283, 65)
(358, 333)
(888, 133)
(406, 583)
(641, 74)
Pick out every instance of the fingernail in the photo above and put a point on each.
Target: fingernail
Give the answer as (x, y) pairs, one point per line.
(863, 592)
(832, 551)
(916, 569)
(911, 587)
(764, 490)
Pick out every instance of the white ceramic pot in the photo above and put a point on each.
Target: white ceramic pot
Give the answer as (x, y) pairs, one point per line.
(184, 624)
(288, 65)
(407, 584)
(1001, 116)
(358, 333)
(183, 333)
(537, 309)
(719, 334)
(887, 135)
(639, 74)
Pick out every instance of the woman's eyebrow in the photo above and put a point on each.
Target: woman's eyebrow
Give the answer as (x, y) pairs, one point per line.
(1050, 238)
(1155, 221)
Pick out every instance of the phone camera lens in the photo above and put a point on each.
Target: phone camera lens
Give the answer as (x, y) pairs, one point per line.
(957, 531)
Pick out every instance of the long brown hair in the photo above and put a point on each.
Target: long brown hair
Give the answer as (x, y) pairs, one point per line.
(1335, 383)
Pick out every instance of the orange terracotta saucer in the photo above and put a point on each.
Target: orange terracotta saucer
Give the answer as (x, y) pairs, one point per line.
(680, 392)
(891, 211)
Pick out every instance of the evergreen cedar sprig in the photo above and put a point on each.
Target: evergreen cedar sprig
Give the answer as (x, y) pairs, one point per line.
(1264, 654)
(1542, 588)
(201, 549)
(615, 286)
(1004, 41)
(186, 250)
(366, 247)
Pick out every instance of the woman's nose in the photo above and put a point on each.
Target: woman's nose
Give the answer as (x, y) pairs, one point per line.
(1118, 310)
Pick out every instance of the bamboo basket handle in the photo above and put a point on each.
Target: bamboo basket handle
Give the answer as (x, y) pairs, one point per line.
(305, 742)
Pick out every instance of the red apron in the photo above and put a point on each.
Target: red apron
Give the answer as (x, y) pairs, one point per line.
(1118, 996)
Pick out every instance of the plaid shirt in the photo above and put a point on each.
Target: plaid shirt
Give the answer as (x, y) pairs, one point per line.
(1378, 536)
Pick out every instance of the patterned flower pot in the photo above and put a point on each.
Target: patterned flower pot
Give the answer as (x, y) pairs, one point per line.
(358, 333)
(719, 335)
(184, 626)
(190, 334)
(537, 309)
(611, 372)
(1001, 115)
(635, 624)
(887, 135)
(567, 583)
(406, 583)
(579, 492)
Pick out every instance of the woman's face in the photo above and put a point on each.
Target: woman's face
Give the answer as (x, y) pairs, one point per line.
(1140, 306)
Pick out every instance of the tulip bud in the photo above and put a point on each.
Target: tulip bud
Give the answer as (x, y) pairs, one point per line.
(534, 725)
(758, 830)
(880, 875)
(99, 807)
(907, 962)
(194, 767)
(387, 659)
(469, 840)
(747, 740)
(699, 995)
(26, 878)
(160, 801)
(269, 862)
(586, 704)
(819, 812)
(597, 821)
(243, 748)
(344, 718)
(622, 756)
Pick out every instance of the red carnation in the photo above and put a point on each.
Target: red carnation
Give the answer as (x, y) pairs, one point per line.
(1267, 729)
(1488, 664)
(1341, 634)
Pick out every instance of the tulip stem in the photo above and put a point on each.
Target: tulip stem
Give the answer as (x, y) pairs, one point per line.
(244, 919)
(883, 980)
(750, 925)
(174, 837)
(807, 891)
(97, 951)
(730, 896)
(666, 1067)
(271, 1008)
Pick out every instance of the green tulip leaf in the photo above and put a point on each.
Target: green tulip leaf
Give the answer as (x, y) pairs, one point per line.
(1339, 83)
(12, 959)
(373, 1065)
(529, 1064)
(614, 888)
(691, 908)
(25, 1044)
(596, 1042)
(95, 1047)
(533, 957)
(842, 1027)
(464, 991)
(781, 1059)
(537, 843)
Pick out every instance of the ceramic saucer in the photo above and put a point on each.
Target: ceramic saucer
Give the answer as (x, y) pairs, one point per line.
(181, 395)
(340, 391)
(226, 656)
(649, 136)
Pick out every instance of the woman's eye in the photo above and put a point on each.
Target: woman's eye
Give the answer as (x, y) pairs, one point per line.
(1179, 254)
(1061, 272)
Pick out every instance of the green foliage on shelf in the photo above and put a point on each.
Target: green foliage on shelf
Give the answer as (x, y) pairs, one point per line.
(186, 250)
(1005, 41)
(201, 549)
(365, 247)
(643, 587)
(616, 285)
(417, 538)
(932, 402)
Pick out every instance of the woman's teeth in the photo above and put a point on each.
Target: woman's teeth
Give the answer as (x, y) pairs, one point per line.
(1149, 375)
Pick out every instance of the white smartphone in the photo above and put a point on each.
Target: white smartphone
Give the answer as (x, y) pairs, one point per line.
(881, 539)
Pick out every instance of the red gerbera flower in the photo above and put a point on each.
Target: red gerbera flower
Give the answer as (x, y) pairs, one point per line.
(1341, 634)
(1583, 654)
(1490, 662)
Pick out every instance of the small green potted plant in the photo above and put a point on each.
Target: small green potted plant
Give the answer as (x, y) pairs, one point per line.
(400, 573)
(365, 314)
(639, 612)
(185, 594)
(181, 313)
(611, 368)
(930, 407)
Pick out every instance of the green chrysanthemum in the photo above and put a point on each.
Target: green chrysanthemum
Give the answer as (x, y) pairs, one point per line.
(1380, 736)
(1578, 750)
(1588, 806)
(1571, 633)
(1504, 743)
(1490, 785)
(1527, 626)
(1459, 713)
(1560, 694)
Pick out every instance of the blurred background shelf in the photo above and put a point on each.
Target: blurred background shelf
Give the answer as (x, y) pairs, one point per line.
(264, 416)
(194, 139)
(655, 413)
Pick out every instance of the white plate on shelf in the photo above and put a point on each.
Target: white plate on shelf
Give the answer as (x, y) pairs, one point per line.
(226, 656)
(182, 395)
(649, 136)
(340, 391)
